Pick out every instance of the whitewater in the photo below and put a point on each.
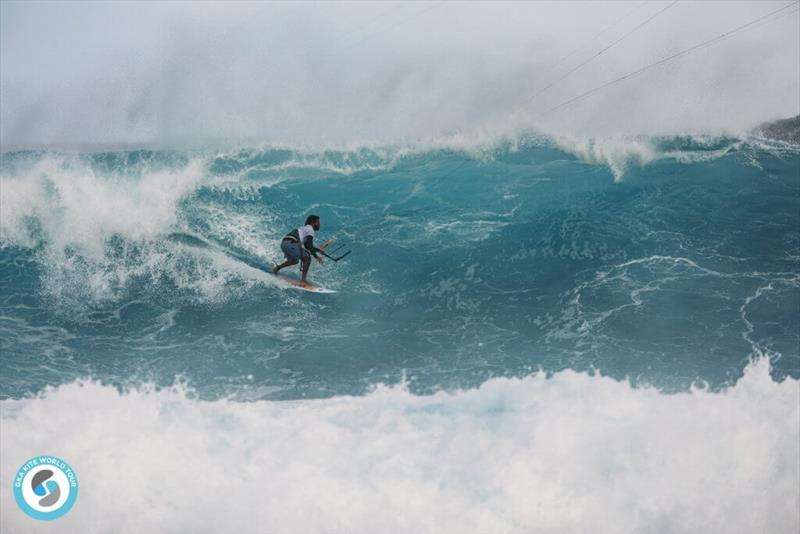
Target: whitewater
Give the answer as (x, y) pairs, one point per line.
(532, 334)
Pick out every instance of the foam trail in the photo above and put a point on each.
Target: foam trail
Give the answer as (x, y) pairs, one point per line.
(569, 453)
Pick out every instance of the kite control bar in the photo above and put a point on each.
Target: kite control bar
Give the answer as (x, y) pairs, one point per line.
(330, 242)
(334, 250)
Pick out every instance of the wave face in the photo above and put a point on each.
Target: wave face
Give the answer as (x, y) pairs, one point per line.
(669, 261)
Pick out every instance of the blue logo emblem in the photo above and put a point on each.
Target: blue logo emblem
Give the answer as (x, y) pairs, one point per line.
(45, 487)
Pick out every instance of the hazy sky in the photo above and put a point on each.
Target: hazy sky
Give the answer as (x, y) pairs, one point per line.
(320, 72)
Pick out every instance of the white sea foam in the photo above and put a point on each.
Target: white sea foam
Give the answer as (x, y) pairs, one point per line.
(75, 206)
(569, 453)
(74, 211)
(620, 153)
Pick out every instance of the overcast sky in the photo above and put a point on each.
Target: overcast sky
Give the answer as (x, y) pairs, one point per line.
(320, 72)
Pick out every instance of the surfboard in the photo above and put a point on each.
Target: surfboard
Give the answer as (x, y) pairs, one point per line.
(291, 283)
(295, 284)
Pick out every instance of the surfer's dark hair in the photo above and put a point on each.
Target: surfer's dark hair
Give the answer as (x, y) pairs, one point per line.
(311, 219)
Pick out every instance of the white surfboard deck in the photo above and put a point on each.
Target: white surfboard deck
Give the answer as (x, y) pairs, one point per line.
(222, 255)
(295, 284)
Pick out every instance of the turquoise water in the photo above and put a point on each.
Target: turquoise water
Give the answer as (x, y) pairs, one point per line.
(668, 261)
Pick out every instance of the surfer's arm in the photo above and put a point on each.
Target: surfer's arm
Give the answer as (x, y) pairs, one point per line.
(309, 245)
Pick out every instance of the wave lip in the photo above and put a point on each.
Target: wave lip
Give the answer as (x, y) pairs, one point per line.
(68, 203)
(573, 452)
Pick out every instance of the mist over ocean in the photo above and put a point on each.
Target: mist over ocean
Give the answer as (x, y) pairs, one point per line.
(555, 317)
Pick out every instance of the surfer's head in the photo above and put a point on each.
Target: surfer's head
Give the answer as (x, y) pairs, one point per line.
(313, 220)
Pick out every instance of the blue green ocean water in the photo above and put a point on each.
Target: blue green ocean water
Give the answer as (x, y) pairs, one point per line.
(671, 262)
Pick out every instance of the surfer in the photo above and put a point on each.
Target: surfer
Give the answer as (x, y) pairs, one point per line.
(298, 245)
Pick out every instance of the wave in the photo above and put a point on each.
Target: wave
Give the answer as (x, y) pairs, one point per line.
(570, 452)
(617, 152)
(98, 220)
(72, 202)
(252, 161)
(494, 258)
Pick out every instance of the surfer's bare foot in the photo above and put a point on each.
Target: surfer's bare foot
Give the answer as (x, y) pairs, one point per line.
(275, 269)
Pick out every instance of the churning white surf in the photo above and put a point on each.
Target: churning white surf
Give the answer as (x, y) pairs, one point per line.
(570, 453)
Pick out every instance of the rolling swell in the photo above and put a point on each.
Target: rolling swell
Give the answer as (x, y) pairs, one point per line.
(668, 261)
